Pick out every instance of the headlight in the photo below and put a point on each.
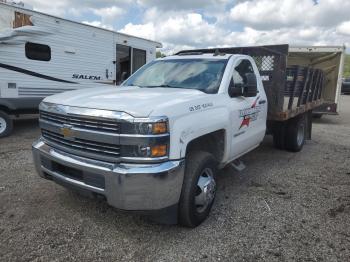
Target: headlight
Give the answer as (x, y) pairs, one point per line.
(151, 134)
(146, 127)
(152, 128)
(153, 151)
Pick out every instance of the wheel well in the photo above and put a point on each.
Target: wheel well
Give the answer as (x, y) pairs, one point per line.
(4, 109)
(213, 143)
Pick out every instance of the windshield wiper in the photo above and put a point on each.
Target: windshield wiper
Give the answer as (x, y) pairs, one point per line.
(170, 86)
(165, 85)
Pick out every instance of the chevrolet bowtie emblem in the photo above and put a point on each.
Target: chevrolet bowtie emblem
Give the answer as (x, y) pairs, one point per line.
(67, 132)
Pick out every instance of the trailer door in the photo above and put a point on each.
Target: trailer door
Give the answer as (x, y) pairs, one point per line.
(138, 59)
(123, 63)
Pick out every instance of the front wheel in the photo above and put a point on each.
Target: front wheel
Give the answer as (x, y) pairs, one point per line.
(6, 124)
(198, 190)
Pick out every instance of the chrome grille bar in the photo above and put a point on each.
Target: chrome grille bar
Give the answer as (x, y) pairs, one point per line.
(82, 145)
(82, 122)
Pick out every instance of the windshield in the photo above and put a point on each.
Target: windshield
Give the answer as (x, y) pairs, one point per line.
(201, 74)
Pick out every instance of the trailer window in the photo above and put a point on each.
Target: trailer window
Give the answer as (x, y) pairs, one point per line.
(38, 52)
(138, 59)
(22, 20)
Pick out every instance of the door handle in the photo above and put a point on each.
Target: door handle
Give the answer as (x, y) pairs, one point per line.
(262, 102)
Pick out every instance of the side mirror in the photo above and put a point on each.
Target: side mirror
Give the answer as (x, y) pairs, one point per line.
(235, 90)
(250, 89)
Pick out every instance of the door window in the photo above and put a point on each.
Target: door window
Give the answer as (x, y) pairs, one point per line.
(239, 72)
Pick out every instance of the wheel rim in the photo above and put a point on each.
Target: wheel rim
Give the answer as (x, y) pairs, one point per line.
(301, 133)
(3, 125)
(206, 189)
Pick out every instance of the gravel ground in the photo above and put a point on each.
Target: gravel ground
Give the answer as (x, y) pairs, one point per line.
(283, 207)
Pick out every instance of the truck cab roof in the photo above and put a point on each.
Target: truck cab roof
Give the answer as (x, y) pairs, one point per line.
(199, 56)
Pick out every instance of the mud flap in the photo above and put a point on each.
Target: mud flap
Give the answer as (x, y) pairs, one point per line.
(308, 116)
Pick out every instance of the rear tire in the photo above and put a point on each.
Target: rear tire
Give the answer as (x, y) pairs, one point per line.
(6, 124)
(295, 133)
(198, 189)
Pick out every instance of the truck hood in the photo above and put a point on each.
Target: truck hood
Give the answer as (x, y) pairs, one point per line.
(138, 102)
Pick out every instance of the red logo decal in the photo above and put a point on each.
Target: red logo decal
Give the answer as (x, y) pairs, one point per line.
(247, 114)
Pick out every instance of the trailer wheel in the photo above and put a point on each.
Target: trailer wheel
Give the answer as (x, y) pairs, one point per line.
(295, 133)
(279, 134)
(6, 124)
(198, 189)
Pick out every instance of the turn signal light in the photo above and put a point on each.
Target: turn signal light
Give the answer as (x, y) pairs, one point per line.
(159, 151)
(160, 128)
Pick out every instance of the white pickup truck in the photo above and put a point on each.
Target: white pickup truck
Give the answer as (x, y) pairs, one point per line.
(155, 144)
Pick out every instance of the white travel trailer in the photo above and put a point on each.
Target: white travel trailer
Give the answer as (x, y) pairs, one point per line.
(42, 55)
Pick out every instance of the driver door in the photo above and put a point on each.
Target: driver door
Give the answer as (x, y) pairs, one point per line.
(248, 114)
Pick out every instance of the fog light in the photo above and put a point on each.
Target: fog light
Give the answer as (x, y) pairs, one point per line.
(144, 151)
(159, 151)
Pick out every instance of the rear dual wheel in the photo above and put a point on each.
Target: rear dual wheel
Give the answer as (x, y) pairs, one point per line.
(290, 135)
(295, 135)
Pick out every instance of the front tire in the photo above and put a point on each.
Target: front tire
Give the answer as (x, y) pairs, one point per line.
(6, 124)
(198, 190)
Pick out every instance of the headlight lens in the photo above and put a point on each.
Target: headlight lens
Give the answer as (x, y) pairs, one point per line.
(157, 128)
(153, 151)
(145, 128)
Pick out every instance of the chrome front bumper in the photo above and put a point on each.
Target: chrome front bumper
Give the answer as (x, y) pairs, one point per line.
(138, 187)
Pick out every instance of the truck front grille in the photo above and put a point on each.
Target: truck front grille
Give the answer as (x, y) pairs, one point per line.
(95, 148)
(102, 125)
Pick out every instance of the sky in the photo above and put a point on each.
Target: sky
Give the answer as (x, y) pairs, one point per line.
(184, 24)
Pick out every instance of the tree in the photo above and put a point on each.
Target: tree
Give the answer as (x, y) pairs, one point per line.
(159, 54)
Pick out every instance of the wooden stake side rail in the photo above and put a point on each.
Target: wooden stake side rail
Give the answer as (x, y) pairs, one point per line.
(285, 115)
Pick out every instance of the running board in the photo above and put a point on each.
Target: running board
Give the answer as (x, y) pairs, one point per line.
(238, 165)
